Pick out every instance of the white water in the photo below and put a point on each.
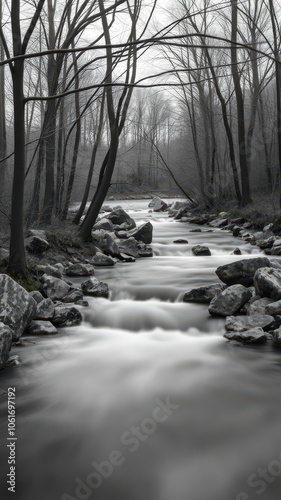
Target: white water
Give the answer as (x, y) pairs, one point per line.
(80, 395)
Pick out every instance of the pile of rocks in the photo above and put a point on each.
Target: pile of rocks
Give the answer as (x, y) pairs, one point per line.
(249, 298)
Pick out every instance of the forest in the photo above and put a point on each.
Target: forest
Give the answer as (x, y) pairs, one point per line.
(133, 97)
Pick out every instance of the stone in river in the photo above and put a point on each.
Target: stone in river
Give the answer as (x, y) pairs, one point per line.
(230, 300)
(201, 250)
(66, 316)
(180, 241)
(242, 323)
(251, 336)
(80, 270)
(6, 335)
(42, 328)
(276, 337)
(95, 288)
(241, 271)
(203, 294)
(267, 283)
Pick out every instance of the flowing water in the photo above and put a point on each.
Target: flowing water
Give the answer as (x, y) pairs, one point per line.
(145, 400)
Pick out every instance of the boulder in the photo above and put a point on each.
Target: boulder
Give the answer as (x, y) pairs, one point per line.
(126, 258)
(196, 230)
(201, 250)
(236, 251)
(242, 323)
(219, 223)
(74, 295)
(230, 300)
(105, 224)
(157, 204)
(200, 220)
(95, 288)
(259, 306)
(241, 271)
(41, 328)
(265, 243)
(180, 241)
(106, 242)
(276, 337)
(37, 296)
(36, 244)
(54, 288)
(267, 283)
(203, 294)
(17, 307)
(45, 310)
(99, 259)
(119, 217)
(144, 250)
(129, 247)
(50, 270)
(143, 233)
(80, 270)
(66, 316)
(6, 335)
(273, 308)
(251, 336)
(236, 231)
(13, 361)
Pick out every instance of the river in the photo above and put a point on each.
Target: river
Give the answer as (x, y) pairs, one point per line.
(145, 400)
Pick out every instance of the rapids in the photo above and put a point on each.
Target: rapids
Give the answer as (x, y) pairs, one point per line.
(145, 400)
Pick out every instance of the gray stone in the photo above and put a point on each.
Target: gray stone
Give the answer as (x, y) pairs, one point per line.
(265, 243)
(80, 270)
(36, 245)
(41, 328)
(37, 232)
(180, 241)
(17, 307)
(242, 323)
(129, 247)
(251, 336)
(219, 223)
(45, 310)
(66, 316)
(95, 288)
(13, 361)
(104, 224)
(236, 251)
(236, 231)
(276, 337)
(50, 270)
(6, 335)
(273, 308)
(143, 233)
(37, 296)
(267, 283)
(144, 250)
(230, 300)
(157, 204)
(73, 296)
(99, 259)
(259, 306)
(119, 217)
(54, 288)
(106, 242)
(201, 250)
(203, 294)
(241, 271)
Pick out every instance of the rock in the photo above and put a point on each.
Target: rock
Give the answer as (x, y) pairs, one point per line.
(41, 328)
(144, 250)
(119, 217)
(13, 361)
(35, 244)
(242, 271)
(196, 230)
(275, 250)
(219, 223)
(273, 308)
(126, 258)
(73, 296)
(99, 259)
(95, 288)
(106, 242)
(230, 300)
(265, 243)
(201, 250)
(236, 231)
(203, 294)
(259, 306)
(180, 241)
(83, 303)
(6, 335)
(17, 307)
(80, 270)
(242, 323)
(105, 224)
(236, 251)
(238, 220)
(251, 336)
(37, 232)
(267, 283)
(157, 204)
(67, 316)
(37, 296)
(50, 270)
(129, 247)
(276, 337)
(45, 310)
(54, 288)
(106, 208)
(177, 205)
(143, 233)
(200, 220)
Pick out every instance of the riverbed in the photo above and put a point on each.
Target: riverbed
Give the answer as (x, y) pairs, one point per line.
(145, 400)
